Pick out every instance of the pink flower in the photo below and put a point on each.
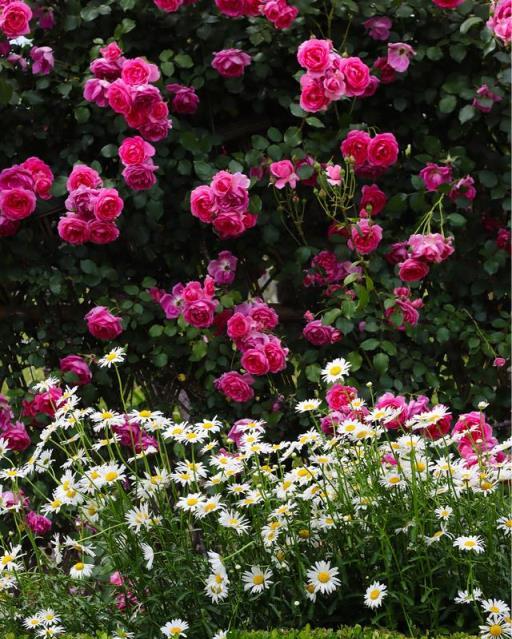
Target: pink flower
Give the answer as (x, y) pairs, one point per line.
(16, 437)
(185, 100)
(388, 400)
(432, 247)
(200, 313)
(412, 270)
(136, 72)
(83, 175)
(8, 228)
(284, 173)
(102, 232)
(42, 176)
(16, 176)
(463, 188)
(102, 324)
(38, 524)
(276, 355)
(355, 145)
(223, 269)
(397, 253)
(255, 361)
(339, 396)
(279, 13)
(111, 52)
(78, 366)
(383, 150)
(379, 27)
(399, 56)
(203, 204)
(485, 98)
(14, 18)
(235, 386)
(433, 175)
(119, 96)
(499, 362)
(135, 150)
(312, 97)
(447, 4)
(17, 203)
(365, 237)
(170, 6)
(314, 55)
(334, 174)
(373, 200)
(334, 85)
(320, 334)
(387, 73)
(408, 310)
(108, 205)
(43, 60)
(503, 240)
(500, 22)
(264, 316)
(72, 229)
(356, 74)
(140, 177)
(231, 63)
(95, 90)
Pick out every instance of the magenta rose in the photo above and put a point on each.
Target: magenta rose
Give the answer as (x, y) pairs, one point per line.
(231, 63)
(229, 224)
(72, 229)
(365, 237)
(412, 270)
(78, 366)
(283, 173)
(378, 27)
(42, 176)
(499, 362)
(95, 90)
(355, 145)
(38, 524)
(320, 334)
(170, 6)
(373, 200)
(433, 175)
(235, 386)
(314, 55)
(102, 324)
(8, 228)
(339, 396)
(112, 51)
(135, 150)
(14, 18)
(383, 150)
(185, 100)
(108, 205)
(140, 177)
(223, 269)
(356, 74)
(17, 204)
(203, 203)
(238, 326)
(200, 313)
(276, 356)
(16, 437)
(313, 97)
(255, 362)
(83, 175)
(137, 71)
(397, 253)
(448, 4)
(119, 96)
(102, 232)
(42, 60)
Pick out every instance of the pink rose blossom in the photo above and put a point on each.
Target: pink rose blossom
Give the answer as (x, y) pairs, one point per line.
(235, 386)
(231, 63)
(373, 200)
(14, 18)
(283, 173)
(135, 150)
(399, 56)
(499, 362)
(433, 175)
(72, 229)
(379, 27)
(108, 205)
(102, 324)
(102, 232)
(314, 55)
(365, 237)
(17, 203)
(320, 334)
(383, 150)
(140, 177)
(223, 269)
(356, 74)
(334, 174)
(83, 175)
(78, 366)
(355, 145)
(38, 524)
(42, 60)
(412, 270)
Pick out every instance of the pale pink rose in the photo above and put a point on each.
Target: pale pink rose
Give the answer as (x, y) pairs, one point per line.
(334, 174)
(314, 55)
(399, 56)
(379, 27)
(231, 63)
(284, 173)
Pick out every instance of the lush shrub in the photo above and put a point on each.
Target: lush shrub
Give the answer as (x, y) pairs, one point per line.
(243, 124)
(134, 521)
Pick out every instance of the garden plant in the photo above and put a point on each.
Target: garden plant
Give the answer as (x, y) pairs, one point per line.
(254, 304)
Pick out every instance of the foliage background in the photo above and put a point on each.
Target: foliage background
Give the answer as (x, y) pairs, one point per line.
(47, 287)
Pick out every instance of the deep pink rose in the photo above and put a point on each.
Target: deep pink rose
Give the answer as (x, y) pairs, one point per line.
(14, 19)
(313, 97)
(102, 232)
(383, 150)
(17, 204)
(281, 14)
(265, 317)
(103, 69)
(231, 63)
(200, 313)
(111, 52)
(500, 21)
(108, 205)
(320, 334)
(229, 224)
(170, 6)
(38, 524)
(378, 27)
(238, 326)
(83, 175)
(356, 74)
(135, 150)
(431, 247)
(72, 229)
(119, 96)
(16, 437)
(102, 324)
(203, 204)
(276, 356)
(388, 400)
(365, 236)
(42, 176)
(433, 175)
(339, 396)
(42, 60)
(397, 253)
(412, 270)
(499, 362)
(185, 100)
(387, 73)
(409, 311)
(355, 145)
(463, 188)
(140, 177)
(232, 8)
(78, 366)
(255, 362)
(283, 173)
(223, 269)
(8, 228)
(235, 386)
(447, 4)
(137, 71)
(314, 55)
(373, 200)
(16, 177)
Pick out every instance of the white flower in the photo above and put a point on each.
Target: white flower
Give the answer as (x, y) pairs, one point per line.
(495, 626)
(505, 524)
(138, 518)
(256, 580)
(148, 554)
(174, 628)
(335, 370)
(220, 634)
(466, 597)
(81, 570)
(115, 356)
(323, 577)
(471, 543)
(50, 631)
(48, 617)
(9, 559)
(444, 512)
(233, 519)
(307, 405)
(190, 502)
(32, 622)
(495, 607)
(374, 594)
(46, 384)
(121, 633)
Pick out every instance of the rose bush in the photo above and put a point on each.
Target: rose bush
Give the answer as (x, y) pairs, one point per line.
(323, 235)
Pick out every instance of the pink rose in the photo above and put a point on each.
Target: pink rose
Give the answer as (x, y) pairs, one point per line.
(447, 4)
(314, 55)
(203, 203)
(83, 175)
(383, 150)
(14, 19)
(235, 386)
(16, 437)
(42, 60)
(185, 100)
(108, 205)
(281, 15)
(231, 8)
(397, 253)
(231, 63)
(365, 237)
(42, 176)
(463, 188)
(8, 228)
(320, 334)
(334, 174)
(255, 361)
(72, 229)
(284, 173)
(399, 56)
(102, 324)
(276, 356)
(81, 201)
(313, 97)
(140, 177)
(265, 317)
(238, 326)
(485, 98)
(111, 52)
(95, 90)
(355, 145)
(388, 400)
(17, 204)
(500, 22)
(135, 150)
(229, 224)
(105, 69)
(432, 247)
(200, 313)
(137, 71)
(409, 311)
(387, 73)
(379, 27)
(102, 232)
(356, 74)
(433, 175)
(170, 6)
(373, 200)
(412, 270)
(78, 366)
(223, 269)
(16, 177)
(38, 524)
(119, 96)
(339, 396)
(499, 362)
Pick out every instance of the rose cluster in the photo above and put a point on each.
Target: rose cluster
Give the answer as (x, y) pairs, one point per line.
(91, 209)
(423, 250)
(15, 17)
(250, 327)
(330, 77)
(12, 432)
(403, 308)
(434, 175)
(500, 21)
(139, 169)
(194, 301)
(371, 156)
(474, 437)
(224, 204)
(278, 12)
(20, 186)
(326, 270)
(126, 86)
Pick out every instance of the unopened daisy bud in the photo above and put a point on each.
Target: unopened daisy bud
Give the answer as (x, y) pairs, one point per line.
(369, 384)
(482, 405)
(407, 151)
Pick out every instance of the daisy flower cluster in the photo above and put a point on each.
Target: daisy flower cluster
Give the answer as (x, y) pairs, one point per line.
(190, 526)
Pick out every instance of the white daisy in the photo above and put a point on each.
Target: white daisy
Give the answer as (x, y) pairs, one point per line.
(495, 607)
(81, 570)
(375, 594)
(256, 580)
(115, 356)
(233, 519)
(466, 597)
(149, 555)
(505, 524)
(495, 626)
(444, 512)
(323, 577)
(335, 370)
(32, 622)
(469, 543)
(174, 628)
(307, 405)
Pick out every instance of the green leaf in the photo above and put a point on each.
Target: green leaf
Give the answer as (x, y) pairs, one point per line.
(468, 23)
(88, 266)
(156, 330)
(315, 122)
(109, 151)
(381, 362)
(199, 350)
(6, 91)
(447, 104)
(184, 61)
(370, 344)
(466, 113)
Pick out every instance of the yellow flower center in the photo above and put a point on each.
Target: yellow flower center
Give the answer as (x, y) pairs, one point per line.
(374, 594)
(304, 533)
(323, 577)
(106, 414)
(79, 566)
(6, 559)
(469, 543)
(175, 630)
(192, 501)
(111, 475)
(303, 472)
(310, 588)
(494, 609)
(233, 521)
(394, 480)
(335, 370)
(257, 580)
(145, 413)
(495, 630)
